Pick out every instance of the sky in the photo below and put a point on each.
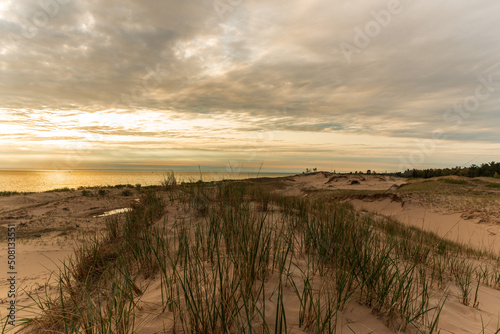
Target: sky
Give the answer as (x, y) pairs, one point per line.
(276, 85)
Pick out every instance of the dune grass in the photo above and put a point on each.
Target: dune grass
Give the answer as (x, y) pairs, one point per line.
(242, 253)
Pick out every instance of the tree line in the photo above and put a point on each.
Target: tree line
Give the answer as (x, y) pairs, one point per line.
(491, 169)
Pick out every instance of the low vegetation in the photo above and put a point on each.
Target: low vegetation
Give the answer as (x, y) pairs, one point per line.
(127, 192)
(240, 253)
(58, 190)
(453, 181)
(9, 193)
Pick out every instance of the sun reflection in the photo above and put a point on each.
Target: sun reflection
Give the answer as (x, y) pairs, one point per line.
(54, 177)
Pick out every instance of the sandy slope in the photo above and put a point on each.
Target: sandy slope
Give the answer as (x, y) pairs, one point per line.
(49, 226)
(448, 225)
(300, 184)
(456, 225)
(59, 220)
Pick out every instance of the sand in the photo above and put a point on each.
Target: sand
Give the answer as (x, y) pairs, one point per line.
(304, 183)
(50, 225)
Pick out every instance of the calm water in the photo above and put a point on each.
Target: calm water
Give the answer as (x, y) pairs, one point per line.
(35, 181)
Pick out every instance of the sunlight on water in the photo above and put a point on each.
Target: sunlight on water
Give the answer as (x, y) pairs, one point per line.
(35, 181)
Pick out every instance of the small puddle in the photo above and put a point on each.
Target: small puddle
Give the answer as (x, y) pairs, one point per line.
(114, 212)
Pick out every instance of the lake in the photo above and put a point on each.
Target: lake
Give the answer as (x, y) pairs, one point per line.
(37, 181)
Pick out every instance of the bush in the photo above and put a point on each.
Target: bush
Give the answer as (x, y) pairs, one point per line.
(127, 192)
(86, 193)
(57, 190)
(496, 175)
(101, 192)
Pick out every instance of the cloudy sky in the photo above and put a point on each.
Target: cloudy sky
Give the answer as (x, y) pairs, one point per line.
(333, 84)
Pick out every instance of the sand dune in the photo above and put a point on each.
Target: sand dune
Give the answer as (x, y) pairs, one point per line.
(50, 225)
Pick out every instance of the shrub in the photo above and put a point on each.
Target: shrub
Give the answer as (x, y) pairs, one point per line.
(101, 192)
(60, 189)
(127, 192)
(86, 193)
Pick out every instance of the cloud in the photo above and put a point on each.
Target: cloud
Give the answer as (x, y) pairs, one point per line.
(187, 73)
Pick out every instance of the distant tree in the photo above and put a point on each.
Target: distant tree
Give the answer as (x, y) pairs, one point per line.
(368, 172)
(315, 169)
(485, 169)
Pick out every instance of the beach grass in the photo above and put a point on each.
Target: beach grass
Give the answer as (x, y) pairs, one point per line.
(240, 252)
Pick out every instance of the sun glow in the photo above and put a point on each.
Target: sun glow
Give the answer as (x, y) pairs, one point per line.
(4, 8)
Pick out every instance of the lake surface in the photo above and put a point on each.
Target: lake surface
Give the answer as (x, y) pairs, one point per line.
(36, 181)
